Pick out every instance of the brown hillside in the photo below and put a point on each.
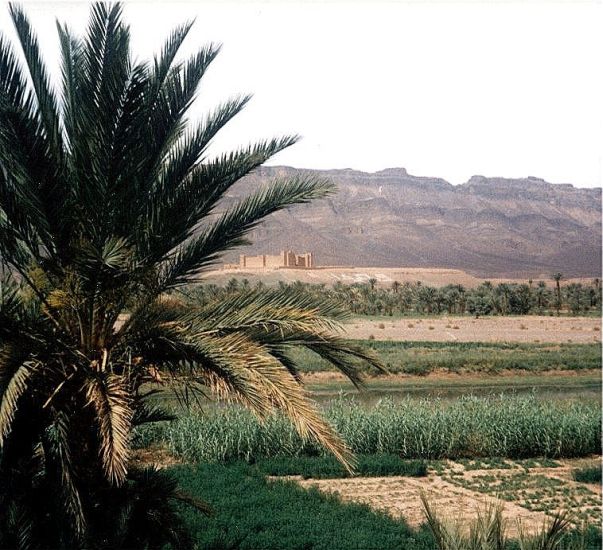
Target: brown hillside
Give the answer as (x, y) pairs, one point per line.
(489, 227)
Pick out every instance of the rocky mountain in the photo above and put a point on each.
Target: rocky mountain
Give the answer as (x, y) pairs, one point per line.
(486, 226)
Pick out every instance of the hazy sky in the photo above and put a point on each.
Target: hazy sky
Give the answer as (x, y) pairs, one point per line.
(447, 89)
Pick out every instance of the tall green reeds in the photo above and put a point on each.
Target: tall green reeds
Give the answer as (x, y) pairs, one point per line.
(504, 426)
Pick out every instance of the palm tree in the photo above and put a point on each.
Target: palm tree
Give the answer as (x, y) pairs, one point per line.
(109, 203)
(557, 278)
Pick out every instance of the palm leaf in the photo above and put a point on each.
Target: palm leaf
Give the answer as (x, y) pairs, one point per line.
(44, 94)
(239, 368)
(60, 436)
(228, 232)
(109, 396)
(17, 386)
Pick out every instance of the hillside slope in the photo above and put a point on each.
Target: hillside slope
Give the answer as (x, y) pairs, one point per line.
(487, 226)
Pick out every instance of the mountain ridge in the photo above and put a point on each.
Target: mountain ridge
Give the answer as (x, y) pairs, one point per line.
(488, 226)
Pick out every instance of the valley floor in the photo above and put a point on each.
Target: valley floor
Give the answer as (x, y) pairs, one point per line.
(525, 328)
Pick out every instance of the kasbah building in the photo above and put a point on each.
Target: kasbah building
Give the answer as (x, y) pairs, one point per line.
(286, 259)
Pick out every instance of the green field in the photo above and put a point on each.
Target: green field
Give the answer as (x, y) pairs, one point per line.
(253, 513)
(422, 358)
(506, 426)
(327, 467)
(583, 385)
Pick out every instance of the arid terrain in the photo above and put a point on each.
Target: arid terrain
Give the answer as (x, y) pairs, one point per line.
(526, 328)
(493, 227)
(384, 276)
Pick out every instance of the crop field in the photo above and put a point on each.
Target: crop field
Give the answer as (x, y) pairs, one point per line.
(273, 486)
(463, 423)
(506, 426)
(325, 386)
(531, 490)
(421, 358)
(252, 511)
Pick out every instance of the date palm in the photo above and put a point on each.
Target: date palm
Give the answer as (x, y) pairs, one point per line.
(109, 203)
(557, 278)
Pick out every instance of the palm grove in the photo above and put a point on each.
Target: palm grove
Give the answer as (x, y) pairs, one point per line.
(372, 298)
(109, 203)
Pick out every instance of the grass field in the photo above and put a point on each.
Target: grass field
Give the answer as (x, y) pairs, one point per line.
(253, 513)
(327, 467)
(430, 436)
(421, 358)
(554, 385)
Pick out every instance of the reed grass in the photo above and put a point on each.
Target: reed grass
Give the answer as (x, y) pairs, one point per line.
(469, 427)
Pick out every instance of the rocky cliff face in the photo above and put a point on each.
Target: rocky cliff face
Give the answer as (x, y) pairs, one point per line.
(487, 226)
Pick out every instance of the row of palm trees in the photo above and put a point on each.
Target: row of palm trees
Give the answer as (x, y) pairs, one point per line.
(417, 298)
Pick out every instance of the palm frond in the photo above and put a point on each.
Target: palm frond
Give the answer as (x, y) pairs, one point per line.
(60, 435)
(145, 413)
(70, 65)
(282, 319)
(228, 232)
(170, 96)
(15, 388)
(244, 370)
(45, 97)
(109, 396)
(172, 215)
(283, 309)
(163, 63)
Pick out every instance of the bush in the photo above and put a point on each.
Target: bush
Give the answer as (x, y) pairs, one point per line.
(588, 475)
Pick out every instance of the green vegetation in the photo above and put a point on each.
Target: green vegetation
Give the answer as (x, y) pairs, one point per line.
(497, 463)
(591, 474)
(421, 358)
(553, 386)
(325, 467)
(504, 426)
(420, 299)
(251, 513)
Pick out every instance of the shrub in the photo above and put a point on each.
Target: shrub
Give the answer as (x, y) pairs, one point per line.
(588, 475)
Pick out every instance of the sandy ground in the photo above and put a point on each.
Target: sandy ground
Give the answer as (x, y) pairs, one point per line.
(385, 276)
(526, 328)
(401, 496)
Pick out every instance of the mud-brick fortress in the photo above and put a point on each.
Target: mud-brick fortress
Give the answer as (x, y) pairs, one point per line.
(286, 259)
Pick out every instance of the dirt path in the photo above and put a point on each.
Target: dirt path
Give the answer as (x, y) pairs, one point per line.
(526, 328)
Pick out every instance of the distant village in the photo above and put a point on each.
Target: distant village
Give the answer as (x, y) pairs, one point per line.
(286, 259)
